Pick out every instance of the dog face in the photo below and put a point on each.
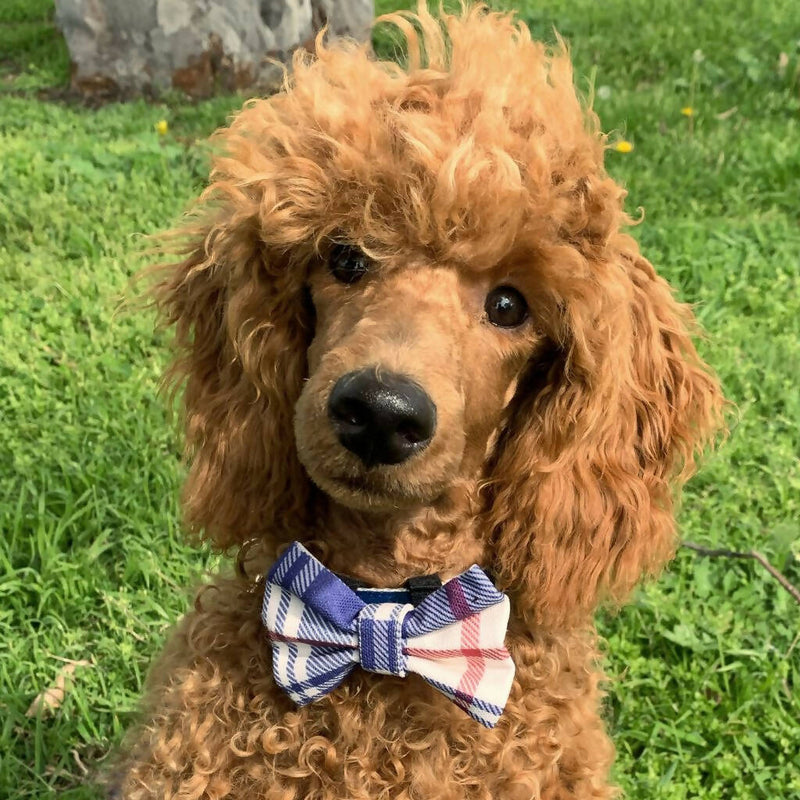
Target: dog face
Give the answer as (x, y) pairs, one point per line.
(400, 279)
(410, 368)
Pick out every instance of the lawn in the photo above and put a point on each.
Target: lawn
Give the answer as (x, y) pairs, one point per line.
(704, 697)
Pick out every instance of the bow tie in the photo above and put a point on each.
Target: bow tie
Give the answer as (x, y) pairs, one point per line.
(320, 630)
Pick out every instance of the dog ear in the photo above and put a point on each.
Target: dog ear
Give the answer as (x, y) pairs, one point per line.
(242, 326)
(599, 436)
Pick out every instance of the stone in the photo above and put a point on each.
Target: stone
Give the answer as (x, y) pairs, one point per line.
(127, 47)
(349, 18)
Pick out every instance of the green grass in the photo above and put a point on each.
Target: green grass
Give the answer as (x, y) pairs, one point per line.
(705, 696)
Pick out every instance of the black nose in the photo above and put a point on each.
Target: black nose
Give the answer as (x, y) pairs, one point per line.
(383, 418)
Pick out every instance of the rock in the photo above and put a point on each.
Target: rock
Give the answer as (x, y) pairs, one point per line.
(127, 47)
(345, 17)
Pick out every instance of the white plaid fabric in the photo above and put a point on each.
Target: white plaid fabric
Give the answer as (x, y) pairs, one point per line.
(320, 630)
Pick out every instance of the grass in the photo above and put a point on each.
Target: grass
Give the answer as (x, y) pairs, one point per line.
(705, 694)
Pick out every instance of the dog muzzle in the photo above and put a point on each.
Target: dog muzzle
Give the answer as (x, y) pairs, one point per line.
(321, 630)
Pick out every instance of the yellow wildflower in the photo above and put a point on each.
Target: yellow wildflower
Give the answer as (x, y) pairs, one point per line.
(687, 111)
(623, 146)
(161, 127)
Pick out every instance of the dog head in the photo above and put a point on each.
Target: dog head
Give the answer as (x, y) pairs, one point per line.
(402, 278)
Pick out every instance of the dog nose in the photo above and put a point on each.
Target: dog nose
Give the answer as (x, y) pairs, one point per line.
(383, 418)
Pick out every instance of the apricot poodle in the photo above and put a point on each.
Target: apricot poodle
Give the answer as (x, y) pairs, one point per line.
(414, 337)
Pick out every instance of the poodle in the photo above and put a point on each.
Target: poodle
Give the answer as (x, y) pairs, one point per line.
(412, 336)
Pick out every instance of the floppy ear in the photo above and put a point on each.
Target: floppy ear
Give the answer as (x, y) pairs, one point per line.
(242, 327)
(599, 437)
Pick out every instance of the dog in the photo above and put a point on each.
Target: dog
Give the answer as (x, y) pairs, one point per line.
(412, 337)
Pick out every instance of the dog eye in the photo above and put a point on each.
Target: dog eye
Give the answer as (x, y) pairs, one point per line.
(347, 264)
(506, 307)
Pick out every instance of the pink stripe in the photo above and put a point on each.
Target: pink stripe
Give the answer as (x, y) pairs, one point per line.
(470, 638)
(494, 654)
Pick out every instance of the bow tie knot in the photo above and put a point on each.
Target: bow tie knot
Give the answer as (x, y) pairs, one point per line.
(320, 630)
(380, 638)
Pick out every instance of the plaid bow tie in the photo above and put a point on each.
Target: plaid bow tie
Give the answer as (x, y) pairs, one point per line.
(320, 630)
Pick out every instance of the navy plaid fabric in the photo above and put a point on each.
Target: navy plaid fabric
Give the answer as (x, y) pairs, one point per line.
(320, 630)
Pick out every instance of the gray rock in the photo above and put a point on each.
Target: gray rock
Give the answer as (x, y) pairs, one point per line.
(126, 47)
(346, 17)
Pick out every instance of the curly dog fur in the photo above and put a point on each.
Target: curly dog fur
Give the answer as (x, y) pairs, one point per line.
(559, 445)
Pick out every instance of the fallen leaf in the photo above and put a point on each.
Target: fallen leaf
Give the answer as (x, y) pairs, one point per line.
(51, 698)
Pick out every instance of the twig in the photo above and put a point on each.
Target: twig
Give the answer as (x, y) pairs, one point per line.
(793, 645)
(750, 554)
(80, 763)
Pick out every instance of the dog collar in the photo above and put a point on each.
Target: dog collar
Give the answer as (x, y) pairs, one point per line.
(413, 591)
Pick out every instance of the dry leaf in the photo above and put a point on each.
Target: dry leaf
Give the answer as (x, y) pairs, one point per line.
(51, 698)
